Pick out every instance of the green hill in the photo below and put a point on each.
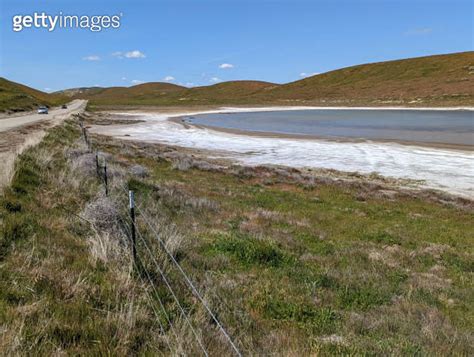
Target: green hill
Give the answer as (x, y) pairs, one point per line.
(16, 97)
(433, 79)
(232, 92)
(141, 93)
(171, 94)
(440, 80)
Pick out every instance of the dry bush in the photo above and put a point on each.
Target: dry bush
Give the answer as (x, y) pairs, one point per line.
(103, 213)
(174, 195)
(108, 241)
(243, 172)
(82, 162)
(139, 171)
(182, 164)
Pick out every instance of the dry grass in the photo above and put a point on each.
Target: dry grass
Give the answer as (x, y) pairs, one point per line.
(70, 280)
(15, 148)
(290, 267)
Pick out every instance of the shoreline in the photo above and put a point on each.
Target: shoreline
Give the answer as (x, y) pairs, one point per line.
(176, 115)
(435, 166)
(223, 108)
(269, 134)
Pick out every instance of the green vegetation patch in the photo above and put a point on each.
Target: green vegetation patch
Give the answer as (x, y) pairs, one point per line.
(251, 251)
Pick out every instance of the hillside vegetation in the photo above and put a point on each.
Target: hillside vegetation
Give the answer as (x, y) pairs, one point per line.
(441, 80)
(170, 94)
(142, 93)
(16, 97)
(292, 263)
(431, 80)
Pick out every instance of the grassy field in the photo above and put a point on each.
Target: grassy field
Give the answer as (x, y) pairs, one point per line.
(15, 97)
(291, 264)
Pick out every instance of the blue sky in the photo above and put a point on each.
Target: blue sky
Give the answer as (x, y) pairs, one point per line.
(187, 42)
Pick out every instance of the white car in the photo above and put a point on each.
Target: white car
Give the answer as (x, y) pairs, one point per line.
(43, 110)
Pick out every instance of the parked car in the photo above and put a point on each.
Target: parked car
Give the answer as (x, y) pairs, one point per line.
(43, 110)
(64, 106)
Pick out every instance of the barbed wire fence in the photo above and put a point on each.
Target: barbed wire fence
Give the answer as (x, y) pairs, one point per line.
(153, 262)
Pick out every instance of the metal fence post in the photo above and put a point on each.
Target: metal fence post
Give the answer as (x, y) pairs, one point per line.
(106, 181)
(131, 198)
(97, 168)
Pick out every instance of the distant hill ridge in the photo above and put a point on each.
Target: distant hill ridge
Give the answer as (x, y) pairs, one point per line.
(429, 79)
(439, 80)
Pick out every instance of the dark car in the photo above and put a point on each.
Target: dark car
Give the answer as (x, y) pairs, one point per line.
(64, 106)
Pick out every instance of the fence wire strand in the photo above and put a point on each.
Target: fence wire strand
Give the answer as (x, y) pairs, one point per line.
(127, 229)
(168, 285)
(189, 282)
(187, 279)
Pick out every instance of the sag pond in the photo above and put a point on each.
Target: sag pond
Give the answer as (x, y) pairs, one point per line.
(423, 126)
(439, 153)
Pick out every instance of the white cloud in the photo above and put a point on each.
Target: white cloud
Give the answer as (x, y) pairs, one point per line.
(226, 66)
(47, 89)
(91, 58)
(124, 78)
(137, 81)
(129, 54)
(304, 74)
(169, 78)
(134, 54)
(189, 84)
(214, 80)
(419, 32)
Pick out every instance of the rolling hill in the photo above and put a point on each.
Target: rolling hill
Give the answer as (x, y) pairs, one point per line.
(440, 80)
(112, 95)
(16, 97)
(433, 79)
(157, 93)
(236, 92)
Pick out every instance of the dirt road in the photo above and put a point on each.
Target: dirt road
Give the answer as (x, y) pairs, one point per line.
(20, 132)
(58, 113)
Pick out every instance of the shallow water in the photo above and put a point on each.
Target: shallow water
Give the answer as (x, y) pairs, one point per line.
(425, 126)
(448, 170)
